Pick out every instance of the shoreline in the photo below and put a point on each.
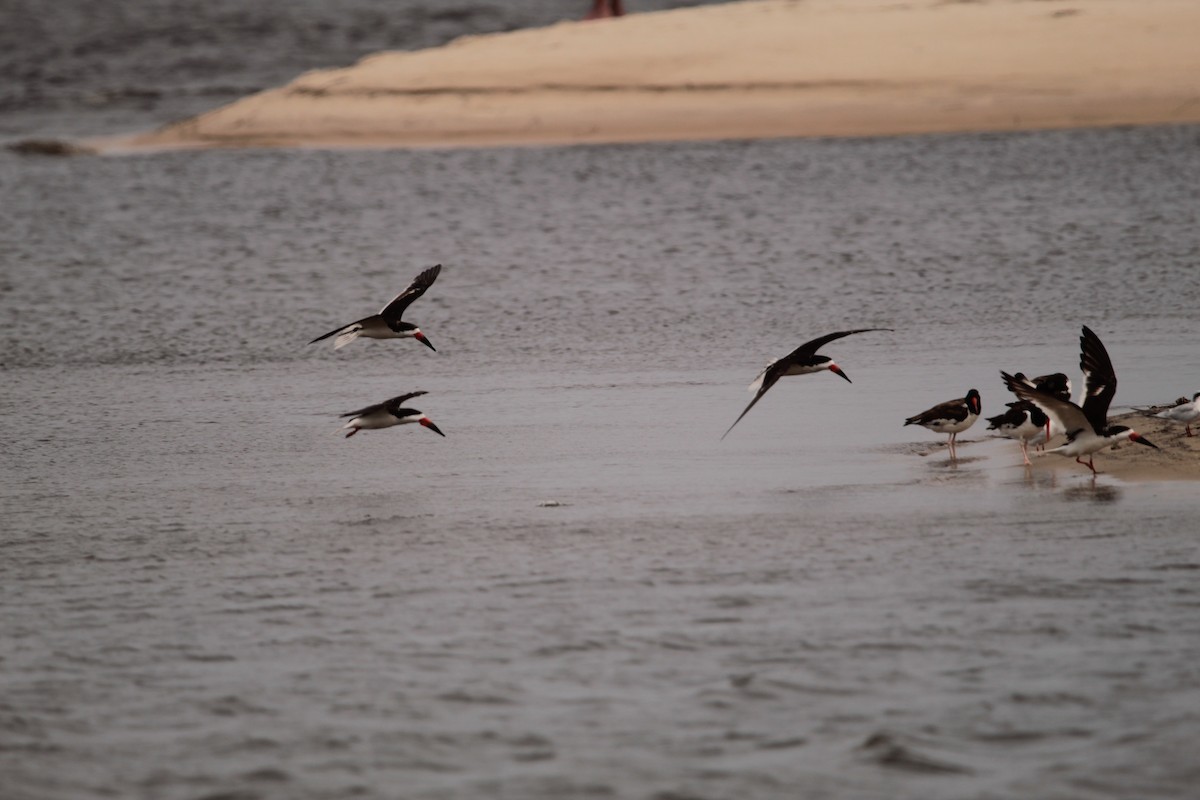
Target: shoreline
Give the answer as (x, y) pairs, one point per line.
(749, 70)
(1177, 459)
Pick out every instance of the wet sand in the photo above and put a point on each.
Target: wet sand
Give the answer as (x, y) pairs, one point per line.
(1178, 456)
(743, 70)
(1176, 459)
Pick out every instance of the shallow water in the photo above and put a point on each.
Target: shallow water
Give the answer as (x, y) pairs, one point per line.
(209, 593)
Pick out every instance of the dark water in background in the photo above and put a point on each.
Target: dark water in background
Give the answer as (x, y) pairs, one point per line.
(207, 593)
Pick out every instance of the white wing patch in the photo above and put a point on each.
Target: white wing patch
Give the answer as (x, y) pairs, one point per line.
(758, 382)
(346, 337)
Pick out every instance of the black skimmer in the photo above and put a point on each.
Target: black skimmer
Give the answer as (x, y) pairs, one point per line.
(386, 414)
(1057, 384)
(1087, 428)
(1024, 422)
(801, 361)
(387, 324)
(1187, 413)
(952, 417)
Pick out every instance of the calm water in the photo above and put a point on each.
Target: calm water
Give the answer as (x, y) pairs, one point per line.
(208, 593)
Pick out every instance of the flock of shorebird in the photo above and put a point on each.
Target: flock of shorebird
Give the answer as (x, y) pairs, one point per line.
(1043, 408)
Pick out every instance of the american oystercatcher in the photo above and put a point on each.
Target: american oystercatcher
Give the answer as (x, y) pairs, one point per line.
(801, 361)
(1024, 422)
(1187, 413)
(1087, 428)
(386, 414)
(952, 417)
(386, 324)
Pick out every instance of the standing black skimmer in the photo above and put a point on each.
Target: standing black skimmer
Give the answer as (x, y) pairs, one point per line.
(386, 324)
(1057, 384)
(1087, 428)
(386, 414)
(1187, 413)
(801, 361)
(1024, 422)
(952, 417)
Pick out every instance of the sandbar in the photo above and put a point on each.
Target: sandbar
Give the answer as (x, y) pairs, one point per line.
(756, 69)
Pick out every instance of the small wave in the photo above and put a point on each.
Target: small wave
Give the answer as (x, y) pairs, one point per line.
(267, 775)
(463, 696)
(888, 751)
(1029, 736)
(573, 647)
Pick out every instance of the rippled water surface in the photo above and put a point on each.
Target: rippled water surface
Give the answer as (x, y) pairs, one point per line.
(582, 591)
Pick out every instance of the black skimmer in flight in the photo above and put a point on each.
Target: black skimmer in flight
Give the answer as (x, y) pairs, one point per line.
(1024, 422)
(387, 324)
(801, 361)
(386, 414)
(1187, 413)
(1087, 428)
(952, 417)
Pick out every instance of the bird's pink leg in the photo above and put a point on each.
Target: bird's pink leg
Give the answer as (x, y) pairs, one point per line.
(1025, 452)
(1188, 428)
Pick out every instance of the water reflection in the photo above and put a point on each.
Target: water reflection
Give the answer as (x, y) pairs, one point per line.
(1076, 487)
(1039, 480)
(1091, 491)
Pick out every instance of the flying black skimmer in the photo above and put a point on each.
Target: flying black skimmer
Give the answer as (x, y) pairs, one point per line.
(952, 417)
(1024, 422)
(1087, 428)
(801, 361)
(387, 324)
(386, 414)
(1187, 413)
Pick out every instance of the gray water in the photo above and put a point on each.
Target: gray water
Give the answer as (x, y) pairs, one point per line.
(582, 591)
(208, 593)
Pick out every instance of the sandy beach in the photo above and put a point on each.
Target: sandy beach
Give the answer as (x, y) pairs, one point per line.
(770, 68)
